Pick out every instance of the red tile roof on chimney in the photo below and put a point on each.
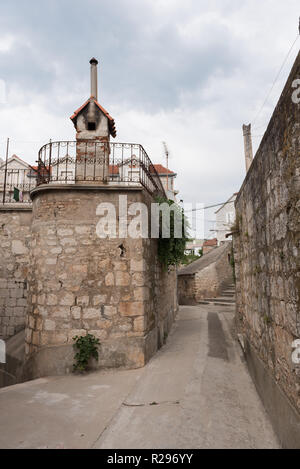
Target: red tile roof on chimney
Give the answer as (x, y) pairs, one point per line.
(111, 122)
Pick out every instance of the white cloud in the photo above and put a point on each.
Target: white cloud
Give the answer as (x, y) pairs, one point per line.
(6, 43)
(189, 73)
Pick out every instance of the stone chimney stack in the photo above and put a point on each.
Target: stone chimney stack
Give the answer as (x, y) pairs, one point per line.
(94, 78)
(248, 146)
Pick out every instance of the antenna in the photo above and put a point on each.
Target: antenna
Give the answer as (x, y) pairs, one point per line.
(167, 161)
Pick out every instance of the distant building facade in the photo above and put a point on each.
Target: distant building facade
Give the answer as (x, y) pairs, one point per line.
(167, 178)
(194, 247)
(225, 218)
(16, 176)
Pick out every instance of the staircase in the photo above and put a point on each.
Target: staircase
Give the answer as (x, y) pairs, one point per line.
(11, 371)
(227, 297)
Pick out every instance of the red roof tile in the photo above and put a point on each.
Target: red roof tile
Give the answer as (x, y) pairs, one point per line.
(162, 170)
(211, 242)
(112, 126)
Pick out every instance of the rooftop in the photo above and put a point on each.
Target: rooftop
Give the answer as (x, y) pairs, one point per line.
(203, 262)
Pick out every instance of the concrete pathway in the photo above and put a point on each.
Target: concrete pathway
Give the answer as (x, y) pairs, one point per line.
(195, 393)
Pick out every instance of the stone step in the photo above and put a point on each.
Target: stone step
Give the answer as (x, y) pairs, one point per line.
(228, 295)
(220, 300)
(224, 304)
(15, 342)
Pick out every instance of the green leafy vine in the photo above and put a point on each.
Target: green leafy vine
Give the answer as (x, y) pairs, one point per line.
(171, 249)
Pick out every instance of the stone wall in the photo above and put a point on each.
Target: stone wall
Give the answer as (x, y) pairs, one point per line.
(206, 277)
(15, 223)
(267, 251)
(112, 288)
(187, 290)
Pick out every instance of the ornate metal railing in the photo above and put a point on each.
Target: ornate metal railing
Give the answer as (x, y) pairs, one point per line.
(71, 162)
(16, 184)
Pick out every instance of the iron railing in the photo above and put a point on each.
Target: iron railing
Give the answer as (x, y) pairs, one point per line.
(71, 162)
(16, 184)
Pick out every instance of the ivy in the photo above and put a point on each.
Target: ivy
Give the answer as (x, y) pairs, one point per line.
(86, 348)
(171, 250)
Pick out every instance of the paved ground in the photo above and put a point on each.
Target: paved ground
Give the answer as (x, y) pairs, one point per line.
(195, 393)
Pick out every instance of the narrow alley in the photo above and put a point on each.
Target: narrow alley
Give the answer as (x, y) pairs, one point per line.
(196, 392)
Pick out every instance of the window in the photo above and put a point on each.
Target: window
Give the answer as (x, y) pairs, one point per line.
(91, 125)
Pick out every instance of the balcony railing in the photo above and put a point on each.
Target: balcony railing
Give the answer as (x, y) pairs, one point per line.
(16, 184)
(71, 162)
(80, 162)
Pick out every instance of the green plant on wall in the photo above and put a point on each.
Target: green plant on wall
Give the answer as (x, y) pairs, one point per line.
(86, 347)
(171, 250)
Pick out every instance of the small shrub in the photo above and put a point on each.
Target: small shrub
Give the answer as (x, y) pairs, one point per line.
(86, 347)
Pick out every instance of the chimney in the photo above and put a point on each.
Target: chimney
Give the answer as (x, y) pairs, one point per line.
(248, 146)
(94, 78)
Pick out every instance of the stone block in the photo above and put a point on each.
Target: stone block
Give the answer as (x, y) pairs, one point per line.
(109, 279)
(67, 300)
(18, 247)
(100, 334)
(99, 300)
(138, 266)
(61, 312)
(64, 232)
(49, 325)
(139, 324)
(141, 294)
(51, 261)
(135, 308)
(76, 312)
(51, 300)
(122, 279)
(83, 300)
(91, 313)
(110, 311)
(80, 269)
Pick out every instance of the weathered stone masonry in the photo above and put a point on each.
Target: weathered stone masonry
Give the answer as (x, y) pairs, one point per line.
(75, 281)
(206, 277)
(112, 288)
(267, 256)
(15, 225)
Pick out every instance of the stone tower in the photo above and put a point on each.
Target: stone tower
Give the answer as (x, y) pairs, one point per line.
(112, 287)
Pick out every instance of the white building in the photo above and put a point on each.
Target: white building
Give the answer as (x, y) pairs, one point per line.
(225, 218)
(18, 175)
(194, 247)
(167, 178)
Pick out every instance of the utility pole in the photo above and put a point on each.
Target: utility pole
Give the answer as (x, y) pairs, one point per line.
(5, 172)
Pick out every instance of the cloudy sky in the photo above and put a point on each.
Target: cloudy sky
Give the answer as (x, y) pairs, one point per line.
(187, 72)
